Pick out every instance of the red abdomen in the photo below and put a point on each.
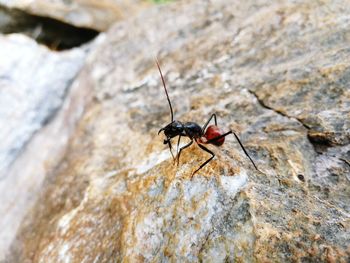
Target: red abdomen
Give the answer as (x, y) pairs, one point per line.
(212, 132)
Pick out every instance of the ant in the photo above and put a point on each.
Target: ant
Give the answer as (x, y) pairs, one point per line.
(211, 134)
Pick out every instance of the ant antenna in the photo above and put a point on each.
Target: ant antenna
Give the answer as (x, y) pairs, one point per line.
(166, 92)
(245, 151)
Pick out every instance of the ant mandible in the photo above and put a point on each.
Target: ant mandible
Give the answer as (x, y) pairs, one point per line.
(211, 134)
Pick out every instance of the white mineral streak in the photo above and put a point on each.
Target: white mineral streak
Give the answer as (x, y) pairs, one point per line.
(195, 217)
(154, 159)
(233, 184)
(64, 254)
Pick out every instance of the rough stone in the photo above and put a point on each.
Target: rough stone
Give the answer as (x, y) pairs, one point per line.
(34, 82)
(55, 34)
(34, 128)
(98, 15)
(275, 72)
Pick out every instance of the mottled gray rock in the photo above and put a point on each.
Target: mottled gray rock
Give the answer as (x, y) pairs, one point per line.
(275, 72)
(34, 83)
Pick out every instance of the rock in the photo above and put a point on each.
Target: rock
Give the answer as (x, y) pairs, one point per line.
(98, 15)
(273, 71)
(50, 32)
(34, 83)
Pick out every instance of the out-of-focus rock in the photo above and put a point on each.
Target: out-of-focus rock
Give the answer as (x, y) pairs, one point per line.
(274, 71)
(98, 15)
(50, 32)
(34, 83)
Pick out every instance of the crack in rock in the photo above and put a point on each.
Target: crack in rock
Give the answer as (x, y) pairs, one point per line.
(264, 105)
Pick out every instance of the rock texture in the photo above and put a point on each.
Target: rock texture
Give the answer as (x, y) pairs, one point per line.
(53, 33)
(98, 15)
(35, 83)
(276, 72)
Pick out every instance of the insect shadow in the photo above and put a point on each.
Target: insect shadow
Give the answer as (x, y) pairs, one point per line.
(211, 134)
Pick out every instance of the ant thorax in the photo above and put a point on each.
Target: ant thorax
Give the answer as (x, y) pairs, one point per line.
(193, 130)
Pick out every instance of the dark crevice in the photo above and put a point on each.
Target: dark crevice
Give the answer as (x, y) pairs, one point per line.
(321, 141)
(53, 33)
(318, 148)
(326, 139)
(345, 161)
(262, 104)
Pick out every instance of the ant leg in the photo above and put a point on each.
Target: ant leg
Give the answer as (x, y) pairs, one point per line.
(207, 161)
(177, 147)
(206, 124)
(244, 150)
(184, 147)
(219, 137)
(169, 144)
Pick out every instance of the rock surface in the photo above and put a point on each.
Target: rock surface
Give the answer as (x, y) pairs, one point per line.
(276, 72)
(93, 14)
(34, 85)
(34, 82)
(53, 33)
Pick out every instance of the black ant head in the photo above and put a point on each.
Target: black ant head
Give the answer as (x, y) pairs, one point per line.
(173, 129)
